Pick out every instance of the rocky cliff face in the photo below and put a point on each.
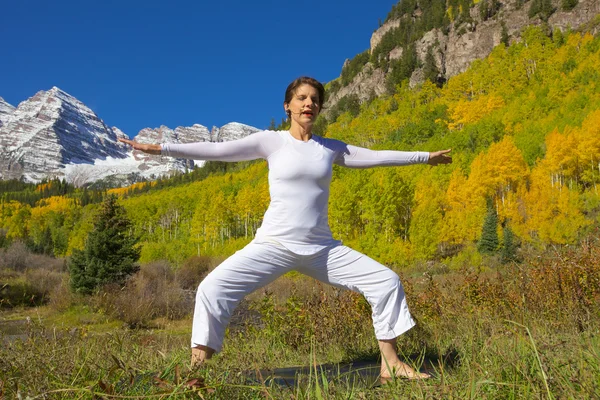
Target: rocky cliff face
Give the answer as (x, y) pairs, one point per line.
(455, 51)
(53, 134)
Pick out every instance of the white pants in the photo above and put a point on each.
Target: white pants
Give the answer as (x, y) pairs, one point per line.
(257, 265)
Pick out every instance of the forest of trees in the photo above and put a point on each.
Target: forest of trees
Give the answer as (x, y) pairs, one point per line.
(524, 126)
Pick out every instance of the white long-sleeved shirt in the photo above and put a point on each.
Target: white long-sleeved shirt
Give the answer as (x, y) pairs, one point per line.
(299, 179)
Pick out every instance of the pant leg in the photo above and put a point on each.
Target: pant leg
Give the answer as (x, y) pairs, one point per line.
(344, 267)
(249, 269)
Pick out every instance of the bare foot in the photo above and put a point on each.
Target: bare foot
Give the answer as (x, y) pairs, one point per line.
(200, 354)
(400, 370)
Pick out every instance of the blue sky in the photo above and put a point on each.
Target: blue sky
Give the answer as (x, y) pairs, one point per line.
(145, 64)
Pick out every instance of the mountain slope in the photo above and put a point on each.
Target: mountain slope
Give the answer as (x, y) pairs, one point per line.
(435, 40)
(53, 134)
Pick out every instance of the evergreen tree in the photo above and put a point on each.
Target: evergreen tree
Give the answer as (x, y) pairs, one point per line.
(110, 252)
(509, 245)
(568, 5)
(557, 37)
(488, 243)
(402, 68)
(542, 8)
(504, 38)
(430, 69)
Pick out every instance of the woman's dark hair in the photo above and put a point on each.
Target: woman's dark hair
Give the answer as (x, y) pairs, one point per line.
(305, 80)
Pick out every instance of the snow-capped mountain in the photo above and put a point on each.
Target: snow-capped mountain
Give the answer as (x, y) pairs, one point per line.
(52, 129)
(54, 134)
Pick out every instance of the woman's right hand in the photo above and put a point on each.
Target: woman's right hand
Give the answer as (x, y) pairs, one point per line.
(146, 148)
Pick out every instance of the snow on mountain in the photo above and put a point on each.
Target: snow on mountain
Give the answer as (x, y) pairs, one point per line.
(231, 131)
(139, 164)
(6, 111)
(52, 129)
(53, 134)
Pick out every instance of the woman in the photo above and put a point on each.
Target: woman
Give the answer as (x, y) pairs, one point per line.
(295, 233)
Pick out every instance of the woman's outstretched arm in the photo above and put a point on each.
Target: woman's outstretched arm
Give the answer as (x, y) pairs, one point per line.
(359, 157)
(249, 148)
(146, 148)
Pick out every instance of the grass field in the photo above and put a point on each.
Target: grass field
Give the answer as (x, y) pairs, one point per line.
(518, 331)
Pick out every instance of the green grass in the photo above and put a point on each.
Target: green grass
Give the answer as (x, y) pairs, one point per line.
(495, 359)
(513, 332)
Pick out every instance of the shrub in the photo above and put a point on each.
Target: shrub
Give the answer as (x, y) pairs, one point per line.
(193, 271)
(151, 293)
(60, 297)
(307, 309)
(19, 293)
(43, 281)
(3, 239)
(15, 257)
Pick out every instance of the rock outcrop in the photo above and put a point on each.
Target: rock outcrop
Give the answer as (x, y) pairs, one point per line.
(462, 44)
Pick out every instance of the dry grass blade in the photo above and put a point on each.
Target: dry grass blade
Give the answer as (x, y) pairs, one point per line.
(107, 388)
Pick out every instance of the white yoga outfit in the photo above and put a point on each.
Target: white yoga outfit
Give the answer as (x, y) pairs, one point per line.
(295, 233)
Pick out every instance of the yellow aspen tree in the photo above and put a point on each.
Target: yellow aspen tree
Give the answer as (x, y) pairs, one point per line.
(465, 209)
(427, 216)
(588, 150)
(554, 211)
(17, 221)
(468, 112)
(82, 227)
(504, 169)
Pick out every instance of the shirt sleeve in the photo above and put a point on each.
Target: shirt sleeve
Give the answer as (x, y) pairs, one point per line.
(249, 148)
(359, 157)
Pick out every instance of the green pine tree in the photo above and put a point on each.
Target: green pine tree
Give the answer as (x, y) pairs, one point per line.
(488, 243)
(430, 69)
(509, 245)
(568, 5)
(557, 37)
(110, 252)
(542, 8)
(504, 38)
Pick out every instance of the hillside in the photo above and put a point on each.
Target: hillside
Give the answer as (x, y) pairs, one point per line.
(524, 128)
(437, 39)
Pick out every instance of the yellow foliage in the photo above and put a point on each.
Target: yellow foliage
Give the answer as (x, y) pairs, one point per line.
(465, 211)
(13, 218)
(554, 212)
(43, 186)
(468, 112)
(497, 171)
(126, 190)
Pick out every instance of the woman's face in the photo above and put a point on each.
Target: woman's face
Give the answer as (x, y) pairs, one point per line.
(304, 106)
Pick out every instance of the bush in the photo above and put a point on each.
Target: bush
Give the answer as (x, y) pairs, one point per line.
(193, 271)
(15, 257)
(19, 293)
(3, 239)
(323, 313)
(60, 297)
(43, 281)
(149, 294)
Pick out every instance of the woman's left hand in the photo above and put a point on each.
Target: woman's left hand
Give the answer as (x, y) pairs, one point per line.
(439, 157)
